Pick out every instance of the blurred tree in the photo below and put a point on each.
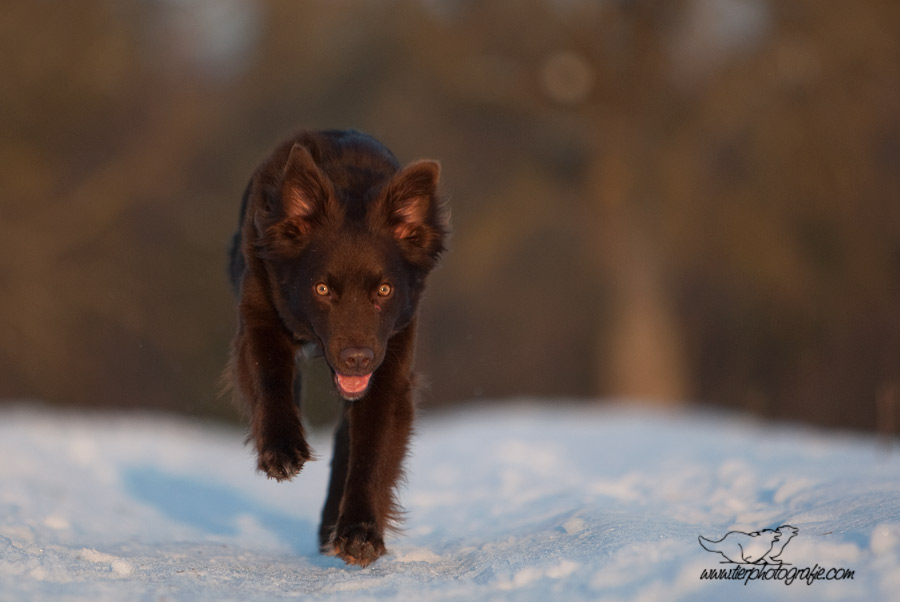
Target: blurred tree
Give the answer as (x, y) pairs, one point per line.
(101, 292)
(664, 200)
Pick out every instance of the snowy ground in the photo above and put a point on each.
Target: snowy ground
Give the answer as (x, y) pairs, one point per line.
(521, 503)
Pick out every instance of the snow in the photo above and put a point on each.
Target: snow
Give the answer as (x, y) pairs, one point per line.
(513, 502)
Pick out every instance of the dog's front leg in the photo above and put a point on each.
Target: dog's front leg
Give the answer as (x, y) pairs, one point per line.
(264, 358)
(380, 425)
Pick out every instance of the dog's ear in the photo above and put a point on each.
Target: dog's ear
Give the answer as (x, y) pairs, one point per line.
(305, 191)
(414, 214)
(292, 203)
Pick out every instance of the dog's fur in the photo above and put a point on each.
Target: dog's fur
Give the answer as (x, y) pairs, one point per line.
(334, 245)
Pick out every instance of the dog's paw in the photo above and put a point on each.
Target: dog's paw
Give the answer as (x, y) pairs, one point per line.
(359, 544)
(282, 460)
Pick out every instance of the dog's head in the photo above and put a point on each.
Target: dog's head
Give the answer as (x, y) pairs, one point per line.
(347, 266)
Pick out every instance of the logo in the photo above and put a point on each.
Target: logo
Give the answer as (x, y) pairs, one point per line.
(759, 547)
(757, 556)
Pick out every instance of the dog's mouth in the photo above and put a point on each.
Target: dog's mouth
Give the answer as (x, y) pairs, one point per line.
(352, 388)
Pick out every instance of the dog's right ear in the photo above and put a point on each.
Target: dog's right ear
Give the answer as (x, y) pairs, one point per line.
(305, 191)
(293, 203)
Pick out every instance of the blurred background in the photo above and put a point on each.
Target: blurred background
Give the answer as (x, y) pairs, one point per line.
(664, 201)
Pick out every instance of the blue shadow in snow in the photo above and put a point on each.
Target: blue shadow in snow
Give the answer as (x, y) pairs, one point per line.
(213, 507)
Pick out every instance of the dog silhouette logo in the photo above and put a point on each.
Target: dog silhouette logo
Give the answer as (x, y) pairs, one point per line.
(758, 547)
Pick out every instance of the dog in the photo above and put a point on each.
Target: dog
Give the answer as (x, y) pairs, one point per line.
(331, 256)
(758, 547)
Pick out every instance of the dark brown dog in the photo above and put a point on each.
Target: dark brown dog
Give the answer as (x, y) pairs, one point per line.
(332, 253)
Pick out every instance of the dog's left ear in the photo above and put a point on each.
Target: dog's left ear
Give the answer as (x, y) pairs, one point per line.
(413, 212)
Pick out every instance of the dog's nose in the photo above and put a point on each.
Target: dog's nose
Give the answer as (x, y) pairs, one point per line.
(357, 359)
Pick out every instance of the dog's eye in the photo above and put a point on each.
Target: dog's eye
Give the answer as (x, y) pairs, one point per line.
(385, 290)
(322, 289)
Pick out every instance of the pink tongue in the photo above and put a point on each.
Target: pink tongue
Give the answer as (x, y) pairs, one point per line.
(352, 384)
